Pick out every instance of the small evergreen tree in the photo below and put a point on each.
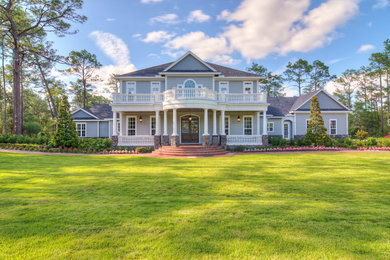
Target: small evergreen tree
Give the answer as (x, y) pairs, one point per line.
(316, 130)
(65, 134)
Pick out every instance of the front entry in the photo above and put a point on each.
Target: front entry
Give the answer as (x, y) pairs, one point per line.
(190, 129)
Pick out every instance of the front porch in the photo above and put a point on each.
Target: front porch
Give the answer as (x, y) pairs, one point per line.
(177, 127)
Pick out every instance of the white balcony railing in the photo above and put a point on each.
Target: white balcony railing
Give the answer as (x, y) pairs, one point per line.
(244, 140)
(188, 94)
(136, 140)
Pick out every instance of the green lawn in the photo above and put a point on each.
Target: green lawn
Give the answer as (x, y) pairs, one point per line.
(250, 206)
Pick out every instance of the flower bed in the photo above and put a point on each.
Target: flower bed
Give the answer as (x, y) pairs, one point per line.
(294, 149)
(373, 148)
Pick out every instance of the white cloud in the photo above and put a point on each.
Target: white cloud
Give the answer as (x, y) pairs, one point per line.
(331, 87)
(150, 1)
(110, 19)
(381, 4)
(198, 16)
(334, 61)
(279, 26)
(365, 48)
(212, 48)
(166, 18)
(224, 15)
(290, 92)
(136, 35)
(158, 36)
(115, 48)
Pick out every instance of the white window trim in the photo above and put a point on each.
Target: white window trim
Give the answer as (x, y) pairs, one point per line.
(150, 125)
(227, 86)
(243, 86)
(330, 124)
(197, 86)
(288, 137)
(273, 127)
(229, 127)
(151, 86)
(243, 124)
(127, 124)
(82, 123)
(133, 86)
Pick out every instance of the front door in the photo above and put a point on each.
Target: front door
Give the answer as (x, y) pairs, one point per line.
(190, 129)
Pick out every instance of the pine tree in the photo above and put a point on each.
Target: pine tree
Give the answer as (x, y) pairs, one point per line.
(65, 134)
(316, 130)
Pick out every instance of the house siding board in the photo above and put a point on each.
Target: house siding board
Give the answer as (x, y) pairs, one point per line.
(236, 87)
(206, 82)
(104, 129)
(340, 117)
(92, 129)
(82, 115)
(189, 63)
(326, 103)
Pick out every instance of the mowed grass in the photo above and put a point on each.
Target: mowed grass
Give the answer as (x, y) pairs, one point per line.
(250, 206)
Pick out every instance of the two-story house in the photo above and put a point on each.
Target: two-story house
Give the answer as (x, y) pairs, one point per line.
(191, 101)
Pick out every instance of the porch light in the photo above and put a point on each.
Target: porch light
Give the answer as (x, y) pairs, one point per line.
(190, 118)
(140, 119)
(238, 119)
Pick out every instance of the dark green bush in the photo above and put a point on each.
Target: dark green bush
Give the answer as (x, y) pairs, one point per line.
(32, 128)
(143, 149)
(274, 141)
(239, 148)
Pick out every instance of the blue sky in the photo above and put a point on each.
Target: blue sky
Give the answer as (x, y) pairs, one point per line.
(134, 34)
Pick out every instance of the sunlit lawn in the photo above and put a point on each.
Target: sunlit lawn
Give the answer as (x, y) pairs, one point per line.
(252, 206)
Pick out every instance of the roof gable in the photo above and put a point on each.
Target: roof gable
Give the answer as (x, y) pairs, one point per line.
(83, 114)
(189, 62)
(326, 100)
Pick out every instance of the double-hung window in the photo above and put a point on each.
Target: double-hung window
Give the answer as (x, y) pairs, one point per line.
(248, 125)
(155, 87)
(152, 125)
(81, 129)
(131, 87)
(307, 124)
(224, 87)
(131, 125)
(227, 125)
(248, 87)
(270, 127)
(333, 126)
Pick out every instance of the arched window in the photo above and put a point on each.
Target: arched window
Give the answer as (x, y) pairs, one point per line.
(189, 84)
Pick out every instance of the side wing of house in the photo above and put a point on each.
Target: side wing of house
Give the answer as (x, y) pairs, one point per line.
(334, 113)
(89, 125)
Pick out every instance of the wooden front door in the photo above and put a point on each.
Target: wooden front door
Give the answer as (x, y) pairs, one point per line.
(190, 129)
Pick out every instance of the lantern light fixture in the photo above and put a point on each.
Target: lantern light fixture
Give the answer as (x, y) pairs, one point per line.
(238, 119)
(140, 119)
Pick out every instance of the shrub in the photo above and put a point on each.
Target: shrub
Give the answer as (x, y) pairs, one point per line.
(143, 149)
(361, 135)
(32, 128)
(301, 142)
(239, 148)
(274, 141)
(65, 134)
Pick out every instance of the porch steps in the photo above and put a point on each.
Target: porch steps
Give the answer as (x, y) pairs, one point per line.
(190, 151)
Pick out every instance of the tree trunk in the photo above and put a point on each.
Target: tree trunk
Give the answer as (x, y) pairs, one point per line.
(388, 96)
(51, 100)
(17, 102)
(84, 92)
(5, 88)
(381, 89)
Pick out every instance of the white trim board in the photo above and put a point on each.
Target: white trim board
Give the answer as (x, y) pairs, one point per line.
(77, 110)
(326, 93)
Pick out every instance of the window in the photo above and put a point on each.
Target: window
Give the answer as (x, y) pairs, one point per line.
(248, 125)
(224, 87)
(286, 130)
(307, 124)
(155, 87)
(131, 87)
(152, 125)
(333, 127)
(248, 87)
(189, 84)
(270, 127)
(227, 125)
(81, 129)
(118, 127)
(131, 125)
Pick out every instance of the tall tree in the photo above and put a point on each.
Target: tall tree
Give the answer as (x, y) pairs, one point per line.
(316, 130)
(26, 18)
(4, 85)
(319, 76)
(347, 84)
(270, 83)
(83, 64)
(298, 73)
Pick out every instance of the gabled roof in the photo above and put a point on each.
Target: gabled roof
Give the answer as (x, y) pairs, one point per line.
(184, 56)
(85, 111)
(280, 106)
(101, 111)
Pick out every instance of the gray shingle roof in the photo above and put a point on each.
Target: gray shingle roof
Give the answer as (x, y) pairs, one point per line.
(155, 70)
(302, 99)
(280, 106)
(101, 111)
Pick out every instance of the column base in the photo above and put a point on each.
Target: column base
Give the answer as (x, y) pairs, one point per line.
(265, 140)
(223, 141)
(175, 141)
(165, 140)
(214, 140)
(157, 142)
(114, 140)
(206, 140)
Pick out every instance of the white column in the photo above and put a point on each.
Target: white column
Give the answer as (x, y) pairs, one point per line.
(215, 132)
(165, 122)
(265, 123)
(206, 122)
(223, 122)
(258, 123)
(121, 124)
(158, 132)
(114, 123)
(174, 122)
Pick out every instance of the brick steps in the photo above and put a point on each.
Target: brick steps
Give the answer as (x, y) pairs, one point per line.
(190, 150)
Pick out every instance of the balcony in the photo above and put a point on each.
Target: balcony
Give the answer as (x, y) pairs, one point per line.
(177, 95)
